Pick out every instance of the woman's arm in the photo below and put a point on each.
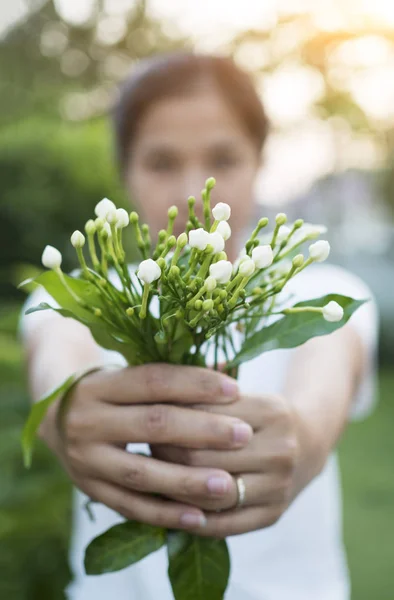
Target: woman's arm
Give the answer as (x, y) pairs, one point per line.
(321, 384)
(55, 348)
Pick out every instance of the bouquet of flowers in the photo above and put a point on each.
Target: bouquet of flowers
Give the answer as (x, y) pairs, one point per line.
(183, 301)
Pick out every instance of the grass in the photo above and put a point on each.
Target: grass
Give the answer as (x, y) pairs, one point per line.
(367, 460)
(35, 505)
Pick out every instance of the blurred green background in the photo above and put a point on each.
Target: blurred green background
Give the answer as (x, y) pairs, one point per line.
(57, 81)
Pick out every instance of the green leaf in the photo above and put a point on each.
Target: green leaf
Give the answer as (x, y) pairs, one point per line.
(199, 567)
(85, 290)
(122, 546)
(106, 340)
(295, 329)
(37, 414)
(100, 333)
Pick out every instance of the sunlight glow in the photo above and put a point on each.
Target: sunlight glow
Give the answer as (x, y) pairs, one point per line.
(382, 10)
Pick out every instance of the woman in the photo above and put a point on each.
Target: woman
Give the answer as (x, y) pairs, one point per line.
(179, 119)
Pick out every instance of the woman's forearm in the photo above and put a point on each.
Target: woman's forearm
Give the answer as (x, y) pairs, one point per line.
(56, 348)
(321, 383)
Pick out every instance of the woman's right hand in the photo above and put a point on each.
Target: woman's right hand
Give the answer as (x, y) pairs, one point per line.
(149, 404)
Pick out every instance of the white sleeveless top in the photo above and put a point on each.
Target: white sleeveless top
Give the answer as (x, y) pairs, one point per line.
(301, 557)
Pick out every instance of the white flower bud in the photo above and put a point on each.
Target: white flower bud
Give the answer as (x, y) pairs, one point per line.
(319, 251)
(107, 228)
(77, 239)
(51, 257)
(210, 283)
(283, 234)
(122, 218)
(263, 256)
(247, 267)
(198, 238)
(221, 212)
(221, 271)
(224, 229)
(103, 208)
(333, 312)
(111, 216)
(216, 241)
(148, 271)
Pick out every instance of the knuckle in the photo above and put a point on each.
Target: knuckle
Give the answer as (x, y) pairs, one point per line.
(208, 384)
(221, 431)
(135, 476)
(188, 486)
(155, 379)
(78, 425)
(156, 421)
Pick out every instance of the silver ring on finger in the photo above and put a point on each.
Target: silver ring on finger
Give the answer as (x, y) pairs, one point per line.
(241, 491)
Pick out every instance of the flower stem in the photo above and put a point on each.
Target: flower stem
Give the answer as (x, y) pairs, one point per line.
(145, 297)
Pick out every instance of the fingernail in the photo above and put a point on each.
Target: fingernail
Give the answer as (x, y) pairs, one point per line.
(217, 485)
(189, 519)
(242, 433)
(229, 387)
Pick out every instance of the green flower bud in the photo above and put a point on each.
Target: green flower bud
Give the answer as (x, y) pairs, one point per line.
(174, 273)
(145, 229)
(90, 227)
(99, 223)
(207, 305)
(161, 263)
(171, 241)
(130, 311)
(191, 201)
(281, 219)
(102, 283)
(299, 223)
(162, 236)
(182, 240)
(220, 256)
(223, 294)
(242, 294)
(179, 314)
(198, 305)
(134, 218)
(298, 261)
(263, 223)
(209, 249)
(172, 212)
(98, 312)
(210, 183)
(210, 284)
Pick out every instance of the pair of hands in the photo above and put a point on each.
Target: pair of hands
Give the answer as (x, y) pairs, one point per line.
(202, 433)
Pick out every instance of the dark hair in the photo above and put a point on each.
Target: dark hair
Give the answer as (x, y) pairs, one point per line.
(174, 74)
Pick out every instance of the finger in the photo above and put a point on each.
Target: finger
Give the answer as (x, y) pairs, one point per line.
(164, 383)
(243, 460)
(146, 509)
(161, 423)
(265, 453)
(205, 488)
(238, 521)
(259, 411)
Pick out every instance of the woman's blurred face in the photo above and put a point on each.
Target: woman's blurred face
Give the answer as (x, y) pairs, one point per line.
(179, 143)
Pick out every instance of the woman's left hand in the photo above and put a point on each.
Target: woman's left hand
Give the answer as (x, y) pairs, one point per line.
(274, 466)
